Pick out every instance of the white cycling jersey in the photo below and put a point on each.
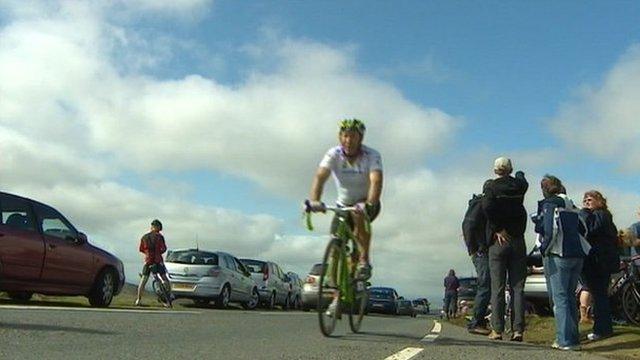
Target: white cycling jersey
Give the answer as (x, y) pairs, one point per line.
(352, 179)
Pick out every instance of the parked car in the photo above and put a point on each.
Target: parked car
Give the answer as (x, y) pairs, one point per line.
(383, 300)
(405, 307)
(535, 286)
(419, 307)
(423, 305)
(273, 283)
(310, 288)
(205, 276)
(42, 252)
(467, 291)
(295, 285)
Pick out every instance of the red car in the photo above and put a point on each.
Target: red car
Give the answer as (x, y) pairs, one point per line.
(42, 252)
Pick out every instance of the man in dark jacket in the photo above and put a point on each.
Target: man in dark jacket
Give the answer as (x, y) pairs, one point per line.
(507, 219)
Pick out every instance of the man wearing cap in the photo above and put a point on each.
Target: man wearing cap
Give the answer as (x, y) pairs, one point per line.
(507, 219)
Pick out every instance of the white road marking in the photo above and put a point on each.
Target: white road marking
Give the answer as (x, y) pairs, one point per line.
(405, 354)
(434, 333)
(28, 307)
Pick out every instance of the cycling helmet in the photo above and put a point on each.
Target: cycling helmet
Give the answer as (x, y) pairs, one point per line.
(156, 223)
(352, 124)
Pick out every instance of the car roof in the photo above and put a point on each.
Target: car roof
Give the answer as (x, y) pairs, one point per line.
(382, 288)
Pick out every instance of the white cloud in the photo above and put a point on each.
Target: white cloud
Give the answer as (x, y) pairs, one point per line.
(603, 120)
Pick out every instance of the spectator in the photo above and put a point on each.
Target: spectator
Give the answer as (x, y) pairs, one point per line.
(601, 262)
(563, 248)
(507, 219)
(451, 285)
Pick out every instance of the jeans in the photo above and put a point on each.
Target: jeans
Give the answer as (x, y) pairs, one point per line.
(483, 295)
(510, 258)
(563, 276)
(598, 283)
(450, 303)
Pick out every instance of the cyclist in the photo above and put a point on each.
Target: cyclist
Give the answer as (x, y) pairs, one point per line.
(152, 245)
(357, 171)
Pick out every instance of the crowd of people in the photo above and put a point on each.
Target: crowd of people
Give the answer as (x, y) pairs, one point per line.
(579, 247)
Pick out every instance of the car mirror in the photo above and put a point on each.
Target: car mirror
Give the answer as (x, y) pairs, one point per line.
(81, 238)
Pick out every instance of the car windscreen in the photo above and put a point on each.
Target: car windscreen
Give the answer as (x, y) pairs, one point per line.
(194, 257)
(254, 266)
(316, 270)
(468, 283)
(380, 294)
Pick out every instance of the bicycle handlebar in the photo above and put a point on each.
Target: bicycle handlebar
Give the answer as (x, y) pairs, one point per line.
(340, 211)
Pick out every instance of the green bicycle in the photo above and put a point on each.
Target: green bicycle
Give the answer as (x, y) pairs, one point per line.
(338, 282)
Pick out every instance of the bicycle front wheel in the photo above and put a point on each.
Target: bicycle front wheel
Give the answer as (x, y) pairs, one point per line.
(358, 305)
(328, 289)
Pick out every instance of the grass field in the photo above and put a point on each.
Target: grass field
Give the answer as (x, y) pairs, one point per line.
(624, 345)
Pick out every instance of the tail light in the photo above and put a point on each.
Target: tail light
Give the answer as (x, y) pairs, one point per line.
(213, 272)
(310, 280)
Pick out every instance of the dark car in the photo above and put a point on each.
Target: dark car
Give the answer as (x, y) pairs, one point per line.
(42, 252)
(383, 300)
(467, 291)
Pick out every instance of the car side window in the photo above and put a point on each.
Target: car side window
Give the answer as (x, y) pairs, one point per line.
(240, 267)
(229, 263)
(53, 223)
(17, 213)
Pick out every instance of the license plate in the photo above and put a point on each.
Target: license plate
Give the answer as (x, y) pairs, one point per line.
(179, 286)
(378, 305)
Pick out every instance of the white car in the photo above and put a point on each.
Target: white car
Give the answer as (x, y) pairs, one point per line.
(273, 285)
(310, 288)
(205, 276)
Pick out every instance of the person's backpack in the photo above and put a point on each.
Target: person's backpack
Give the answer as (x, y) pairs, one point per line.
(569, 238)
(474, 225)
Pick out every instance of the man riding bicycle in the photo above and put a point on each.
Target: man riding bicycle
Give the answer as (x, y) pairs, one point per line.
(152, 245)
(357, 171)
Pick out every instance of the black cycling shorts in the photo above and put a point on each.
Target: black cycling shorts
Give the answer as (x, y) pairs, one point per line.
(371, 211)
(156, 268)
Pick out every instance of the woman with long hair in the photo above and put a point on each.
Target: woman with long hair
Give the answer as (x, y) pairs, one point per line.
(601, 260)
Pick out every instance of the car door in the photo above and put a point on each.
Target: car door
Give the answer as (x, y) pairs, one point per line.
(283, 286)
(246, 283)
(21, 245)
(68, 260)
(233, 278)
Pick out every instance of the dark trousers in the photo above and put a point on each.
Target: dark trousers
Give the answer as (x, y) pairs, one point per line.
(483, 295)
(450, 303)
(510, 259)
(598, 284)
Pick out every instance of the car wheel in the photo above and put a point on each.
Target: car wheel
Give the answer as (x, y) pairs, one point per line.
(103, 289)
(253, 303)
(201, 302)
(223, 298)
(21, 296)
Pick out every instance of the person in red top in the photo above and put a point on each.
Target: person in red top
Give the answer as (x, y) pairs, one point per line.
(152, 245)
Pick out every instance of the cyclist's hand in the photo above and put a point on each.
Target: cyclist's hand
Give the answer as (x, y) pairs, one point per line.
(314, 206)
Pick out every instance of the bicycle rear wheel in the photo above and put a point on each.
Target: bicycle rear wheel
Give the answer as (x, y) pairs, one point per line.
(328, 287)
(358, 305)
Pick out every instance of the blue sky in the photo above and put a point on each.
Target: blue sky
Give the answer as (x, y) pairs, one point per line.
(212, 115)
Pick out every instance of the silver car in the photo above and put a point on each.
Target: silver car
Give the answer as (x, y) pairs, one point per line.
(295, 284)
(310, 288)
(205, 276)
(273, 284)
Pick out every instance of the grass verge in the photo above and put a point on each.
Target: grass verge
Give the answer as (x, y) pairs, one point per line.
(623, 345)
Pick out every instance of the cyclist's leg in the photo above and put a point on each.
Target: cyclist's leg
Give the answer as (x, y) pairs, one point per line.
(143, 282)
(363, 237)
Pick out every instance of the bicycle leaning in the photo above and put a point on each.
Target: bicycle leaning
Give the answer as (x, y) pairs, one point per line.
(625, 291)
(338, 282)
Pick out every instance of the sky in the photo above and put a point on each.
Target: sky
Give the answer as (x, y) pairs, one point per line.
(212, 116)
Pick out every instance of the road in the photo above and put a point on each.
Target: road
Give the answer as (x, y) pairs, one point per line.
(71, 333)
